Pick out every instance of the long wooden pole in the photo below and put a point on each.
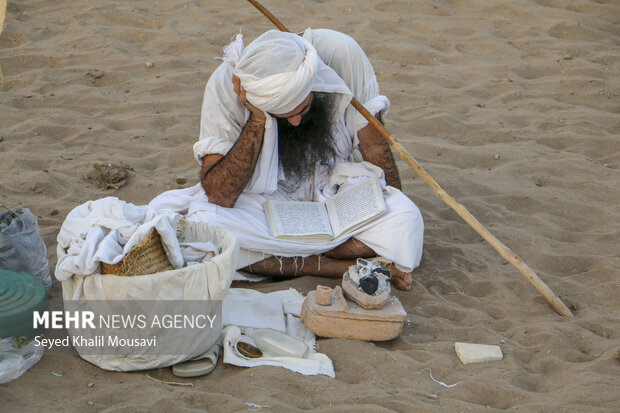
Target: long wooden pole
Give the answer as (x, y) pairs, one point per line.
(502, 249)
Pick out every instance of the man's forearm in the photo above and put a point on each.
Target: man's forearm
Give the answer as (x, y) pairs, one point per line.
(376, 150)
(224, 178)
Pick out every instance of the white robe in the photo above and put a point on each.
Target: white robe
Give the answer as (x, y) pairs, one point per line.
(396, 236)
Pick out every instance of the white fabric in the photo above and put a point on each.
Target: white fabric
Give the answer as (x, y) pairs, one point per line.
(280, 311)
(196, 243)
(342, 53)
(249, 308)
(278, 70)
(207, 281)
(16, 361)
(105, 230)
(397, 235)
(317, 363)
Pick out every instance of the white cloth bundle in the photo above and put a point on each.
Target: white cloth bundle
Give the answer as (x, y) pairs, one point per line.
(106, 230)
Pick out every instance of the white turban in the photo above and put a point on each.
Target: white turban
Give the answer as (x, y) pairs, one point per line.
(278, 71)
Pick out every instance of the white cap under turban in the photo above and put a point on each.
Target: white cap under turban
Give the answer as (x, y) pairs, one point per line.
(278, 70)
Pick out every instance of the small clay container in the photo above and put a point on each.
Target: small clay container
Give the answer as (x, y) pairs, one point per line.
(323, 295)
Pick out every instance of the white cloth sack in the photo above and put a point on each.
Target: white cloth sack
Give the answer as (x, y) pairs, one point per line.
(209, 280)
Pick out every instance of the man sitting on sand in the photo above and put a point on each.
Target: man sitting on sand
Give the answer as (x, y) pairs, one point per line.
(275, 121)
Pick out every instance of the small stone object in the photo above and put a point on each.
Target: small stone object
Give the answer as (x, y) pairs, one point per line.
(249, 350)
(108, 175)
(367, 283)
(91, 384)
(476, 353)
(345, 319)
(538, 181)
(364, 300)
(94, 74)
(496, 156)
(149, 64)
(368, 275)
(323, 295)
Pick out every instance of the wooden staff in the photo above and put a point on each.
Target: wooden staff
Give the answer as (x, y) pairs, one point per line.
(503, 250)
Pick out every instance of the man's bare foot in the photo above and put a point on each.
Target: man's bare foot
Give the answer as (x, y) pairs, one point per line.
(400, 280)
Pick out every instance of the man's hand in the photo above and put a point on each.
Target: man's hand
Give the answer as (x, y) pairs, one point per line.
(223, 177)
(255, 112)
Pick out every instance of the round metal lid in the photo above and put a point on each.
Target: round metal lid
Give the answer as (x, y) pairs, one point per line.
(20, 295)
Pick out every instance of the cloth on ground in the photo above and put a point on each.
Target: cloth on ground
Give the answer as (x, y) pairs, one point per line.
(280, 311)
(316, 363)
(246, 308)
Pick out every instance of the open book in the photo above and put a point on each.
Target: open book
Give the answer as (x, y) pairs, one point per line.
(344, 212)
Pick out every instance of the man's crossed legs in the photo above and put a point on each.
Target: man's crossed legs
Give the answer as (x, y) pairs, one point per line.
(332, 264)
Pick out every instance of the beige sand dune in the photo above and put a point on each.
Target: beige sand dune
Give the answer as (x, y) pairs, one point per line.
(512, 106)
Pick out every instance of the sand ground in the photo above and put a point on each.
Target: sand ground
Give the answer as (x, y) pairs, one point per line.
(513, 107)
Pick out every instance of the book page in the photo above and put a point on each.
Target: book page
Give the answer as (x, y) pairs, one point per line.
(297, 218)
(355, 205)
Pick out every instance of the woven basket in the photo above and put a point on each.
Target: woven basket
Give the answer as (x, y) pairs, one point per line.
(146, 257)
